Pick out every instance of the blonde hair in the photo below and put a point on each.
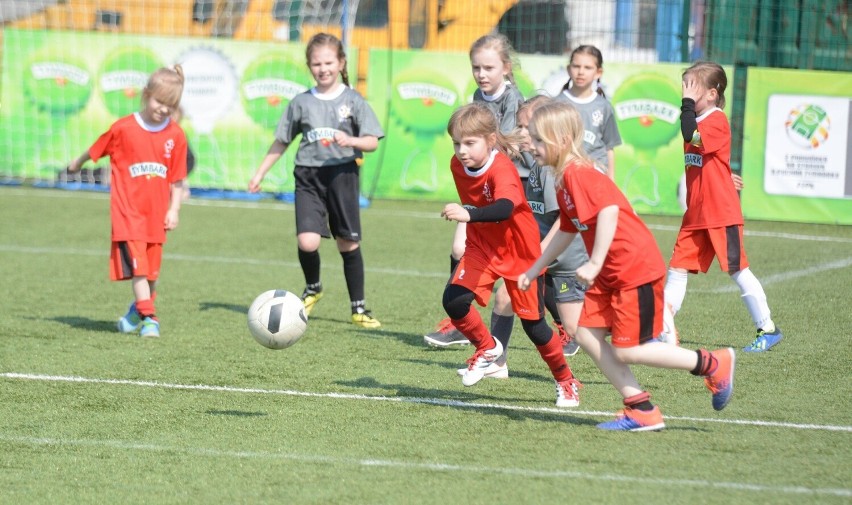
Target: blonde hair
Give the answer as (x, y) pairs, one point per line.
(533, 103)
(327, 39)
(166, 86)
(476, 120)
(501, 45)
(559, 127)
(712, 76)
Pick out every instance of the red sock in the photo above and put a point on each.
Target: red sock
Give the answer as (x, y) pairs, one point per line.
(707, 363)
(145, 308)
(551, 353)
(474, 329)
(642, 401)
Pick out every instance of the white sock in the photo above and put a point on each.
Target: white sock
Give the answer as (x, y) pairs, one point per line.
(755, 299)
(675, 290)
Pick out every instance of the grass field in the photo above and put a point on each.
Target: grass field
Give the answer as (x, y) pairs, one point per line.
(206, 415)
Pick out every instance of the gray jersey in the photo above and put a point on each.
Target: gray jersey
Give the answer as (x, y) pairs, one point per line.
(317, 117)
(601, 132)
(541, 195)
(505, 108)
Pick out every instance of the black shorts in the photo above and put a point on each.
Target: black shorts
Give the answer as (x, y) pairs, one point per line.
(328, 201)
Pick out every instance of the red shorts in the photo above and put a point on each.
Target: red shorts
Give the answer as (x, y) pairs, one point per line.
(634, 316)
(134, 258)
(480, 279)
(694, 250)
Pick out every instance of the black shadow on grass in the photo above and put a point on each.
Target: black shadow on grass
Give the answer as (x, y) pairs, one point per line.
(84, 323)
(514, 373)
(402, 390)
(233, 307)
(236, 413)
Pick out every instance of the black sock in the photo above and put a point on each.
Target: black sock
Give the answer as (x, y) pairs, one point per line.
(310, 262)
(707, 363)
(501, 328)
(353, 271)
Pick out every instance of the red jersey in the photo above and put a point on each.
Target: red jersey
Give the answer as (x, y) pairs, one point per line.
(711, 199)
(144, 162)
(633, 258)
(509, 247)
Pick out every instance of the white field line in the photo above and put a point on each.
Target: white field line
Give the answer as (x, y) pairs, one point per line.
(400, 399)
(785, 276)
(425, 466)
(280, 206)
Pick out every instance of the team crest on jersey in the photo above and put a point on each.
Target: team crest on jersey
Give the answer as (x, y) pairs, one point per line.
(148, 169)
(597, 118)
(169, 147)
(693, 160)
(344, 112)
(532, 181)
(486, 192)
(567, 199)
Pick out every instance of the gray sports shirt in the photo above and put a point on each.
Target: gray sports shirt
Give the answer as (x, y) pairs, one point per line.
(601, 132)
(317, 117)
(505, 108)
(541, 195)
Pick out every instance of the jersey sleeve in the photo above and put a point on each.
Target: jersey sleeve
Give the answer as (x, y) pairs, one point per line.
(368, 123)
(178, 170)
(609, 129)
(290, 123)
(104, 145)
(591, 194)
(509, 119)
(507, 185)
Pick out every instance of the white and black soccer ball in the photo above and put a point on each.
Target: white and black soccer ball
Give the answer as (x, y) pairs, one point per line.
(276, 319)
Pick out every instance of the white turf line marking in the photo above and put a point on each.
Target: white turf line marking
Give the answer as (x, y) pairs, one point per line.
(435, 467)
(786, 276)
(400, 399)
(280, 206)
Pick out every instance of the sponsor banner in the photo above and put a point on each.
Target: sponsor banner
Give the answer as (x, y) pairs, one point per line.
(426, 87)
(60, 90)
(796, 152)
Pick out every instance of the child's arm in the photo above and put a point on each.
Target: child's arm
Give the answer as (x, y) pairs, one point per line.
(610, 164)
(175, 199)
(365, 144)
(559, 241)
(77, 164)
(607, 222)
(276, 150)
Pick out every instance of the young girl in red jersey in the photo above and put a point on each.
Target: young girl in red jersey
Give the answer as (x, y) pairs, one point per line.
(148, 153)
(713, 222)
(502, 241)
(336, 126)
(624, 275)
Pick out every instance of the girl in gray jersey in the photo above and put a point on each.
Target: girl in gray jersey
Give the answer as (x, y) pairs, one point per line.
(336, 126)
(563, 294)
(601, 133)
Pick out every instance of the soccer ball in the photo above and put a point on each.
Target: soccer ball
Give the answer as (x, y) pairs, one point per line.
(276, 319)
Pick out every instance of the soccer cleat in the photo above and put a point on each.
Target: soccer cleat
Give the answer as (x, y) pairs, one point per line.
(629, 419)
(129, 322)
(310, 298)
(479, 362)
(764, 341)
(569, 344)
(150, 328)
(364, 318)
(445, 335)
(568, 393)
(493, 371)
(670, 334)
(721, 381)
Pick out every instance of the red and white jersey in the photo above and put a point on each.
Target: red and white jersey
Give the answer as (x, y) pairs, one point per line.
(711, 198)
(145, 160)
(634, 257)
(509, 247)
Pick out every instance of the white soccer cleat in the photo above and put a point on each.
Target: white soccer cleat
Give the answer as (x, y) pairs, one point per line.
(494, 371)
(479, 362)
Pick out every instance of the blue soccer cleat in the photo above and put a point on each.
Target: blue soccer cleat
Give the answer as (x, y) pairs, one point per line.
(764, 341)
(131, 321)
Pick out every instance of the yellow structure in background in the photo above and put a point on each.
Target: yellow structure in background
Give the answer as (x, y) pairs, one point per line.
(395, 24)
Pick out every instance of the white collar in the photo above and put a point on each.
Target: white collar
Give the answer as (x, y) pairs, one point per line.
(331, 95)
(153, 128)
(484, 168)
(498, 94)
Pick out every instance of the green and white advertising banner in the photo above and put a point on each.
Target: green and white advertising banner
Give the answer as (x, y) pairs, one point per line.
(425, 88)
(60, 90)
(796, 150)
